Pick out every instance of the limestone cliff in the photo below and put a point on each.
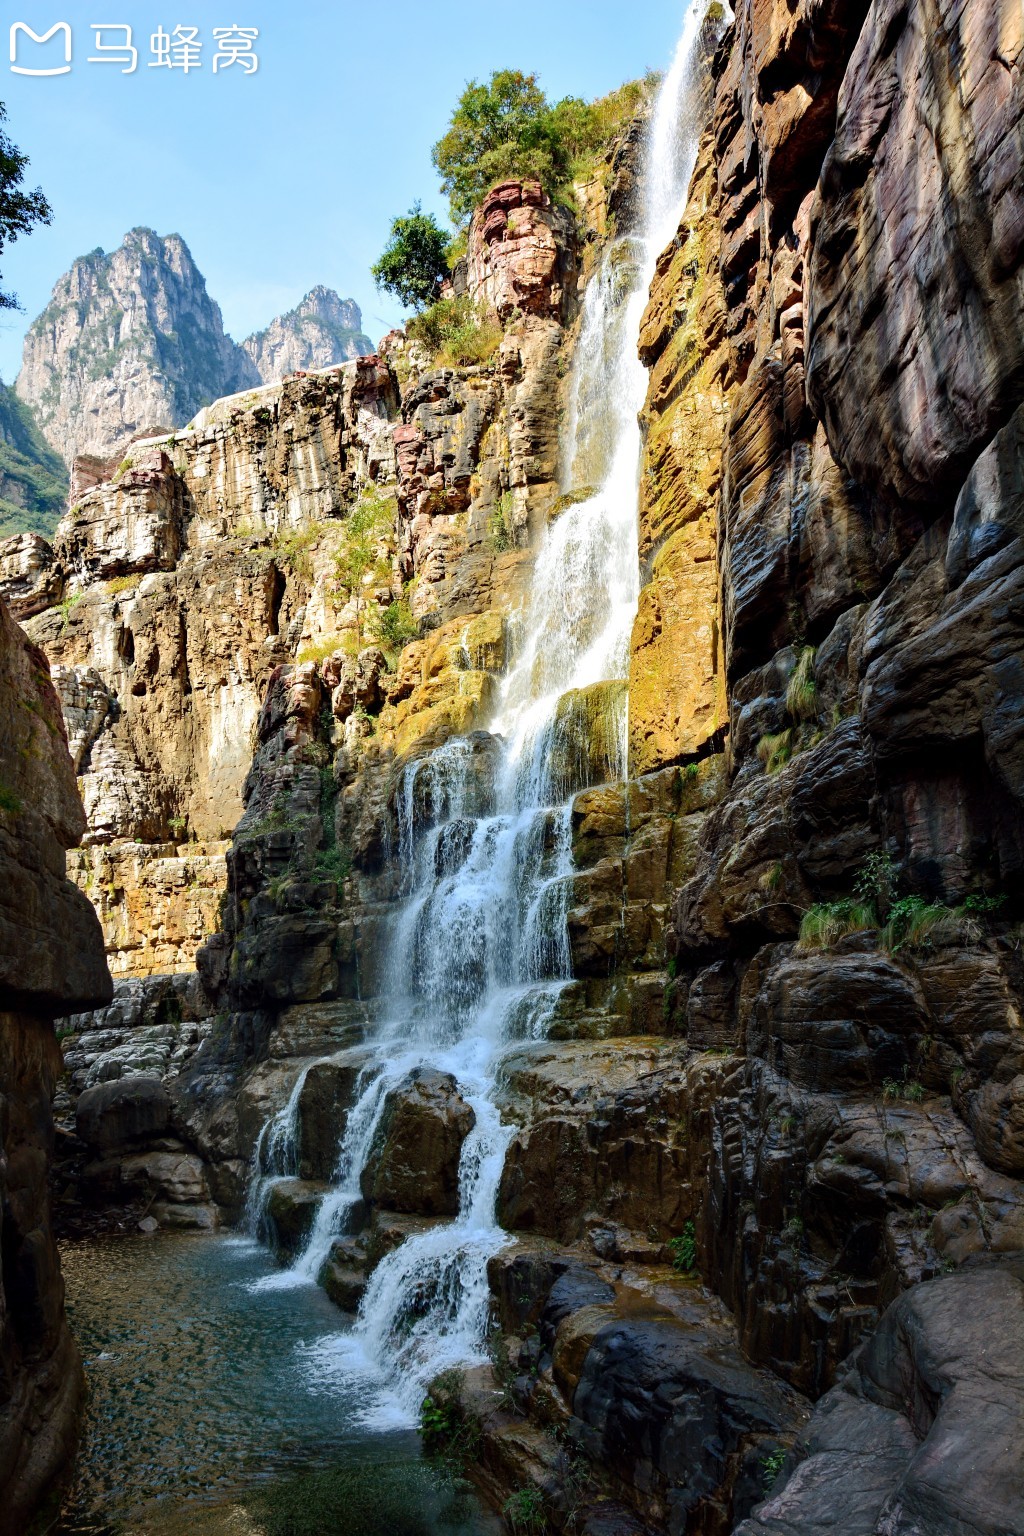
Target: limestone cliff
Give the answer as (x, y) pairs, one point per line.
(51, 960)
(320, 331)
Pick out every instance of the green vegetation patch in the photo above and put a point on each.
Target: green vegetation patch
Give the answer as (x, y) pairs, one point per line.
(403, 1499)
(33, 479)
(456, 333)
(507, 130)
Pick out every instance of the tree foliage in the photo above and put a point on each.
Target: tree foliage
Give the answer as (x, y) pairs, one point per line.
(19, 210)
(414, 262)
(508, 130)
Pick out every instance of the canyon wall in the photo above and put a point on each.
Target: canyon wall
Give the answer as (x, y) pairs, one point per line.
(51, 961)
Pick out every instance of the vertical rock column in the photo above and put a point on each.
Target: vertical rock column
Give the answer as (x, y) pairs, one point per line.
(51, 963)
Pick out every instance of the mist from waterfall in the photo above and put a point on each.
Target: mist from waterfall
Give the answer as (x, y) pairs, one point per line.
(479, 950)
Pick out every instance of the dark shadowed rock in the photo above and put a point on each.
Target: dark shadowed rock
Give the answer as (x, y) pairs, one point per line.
(923, 1433)
(128, 1110)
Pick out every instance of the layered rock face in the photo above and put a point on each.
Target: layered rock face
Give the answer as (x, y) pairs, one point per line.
(319, 332)
(168, 598)
(130, 342)
(51, 960)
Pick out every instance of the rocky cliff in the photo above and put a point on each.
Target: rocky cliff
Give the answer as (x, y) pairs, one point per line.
(764, 1168)
(318, 333)
(51, 960)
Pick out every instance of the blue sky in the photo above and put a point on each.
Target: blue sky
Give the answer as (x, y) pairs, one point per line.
(290, 176)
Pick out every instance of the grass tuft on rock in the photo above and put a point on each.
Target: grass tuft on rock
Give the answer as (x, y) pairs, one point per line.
(827, 922)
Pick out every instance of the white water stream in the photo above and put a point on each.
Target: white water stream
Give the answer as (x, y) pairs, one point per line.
(479, 952)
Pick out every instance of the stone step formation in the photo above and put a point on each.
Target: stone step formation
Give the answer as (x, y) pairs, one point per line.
(593, 954)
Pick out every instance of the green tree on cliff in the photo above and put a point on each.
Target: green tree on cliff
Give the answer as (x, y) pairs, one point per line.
(19, 210)
(507, 130)
(415, 260)
(497, 130)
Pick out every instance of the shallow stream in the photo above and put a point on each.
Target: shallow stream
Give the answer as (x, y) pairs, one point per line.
(207, 1413)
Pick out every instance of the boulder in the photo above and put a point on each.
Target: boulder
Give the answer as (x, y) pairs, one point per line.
(120, 1113)
(414, 1164)
(292, 1207)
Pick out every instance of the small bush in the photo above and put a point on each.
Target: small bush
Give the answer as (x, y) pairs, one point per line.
(335, 864)
(983, 906)
(319, 650)
(450, 1439)
(684, 1249)
(394, 626)
(877, 879)
(913, 922)
(524, 1512)
(9, 801)
(903, 1088)
(121, 584)
(771, 1466)
(501, 533)
(294, 548)
(827, 922)
(67, 608)
(456, 333)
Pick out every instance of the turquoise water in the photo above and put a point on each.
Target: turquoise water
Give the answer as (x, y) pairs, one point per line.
(204, 1394)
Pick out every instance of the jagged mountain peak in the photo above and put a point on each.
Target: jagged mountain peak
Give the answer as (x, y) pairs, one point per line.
(322, 329)
(130, 341)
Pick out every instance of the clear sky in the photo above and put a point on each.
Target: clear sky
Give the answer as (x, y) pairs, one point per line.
(289, 176)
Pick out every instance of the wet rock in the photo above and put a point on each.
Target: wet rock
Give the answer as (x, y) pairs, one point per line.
(292, 1206)
(414, 1164)
(326, 1097)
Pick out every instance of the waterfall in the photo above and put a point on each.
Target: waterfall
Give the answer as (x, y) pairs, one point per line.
(479, 950)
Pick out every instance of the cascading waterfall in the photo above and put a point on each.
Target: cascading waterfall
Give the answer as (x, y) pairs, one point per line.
(479, 951)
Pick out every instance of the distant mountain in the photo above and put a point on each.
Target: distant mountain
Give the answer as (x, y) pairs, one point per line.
(132, 343)
(33, 480)
(321, 331)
